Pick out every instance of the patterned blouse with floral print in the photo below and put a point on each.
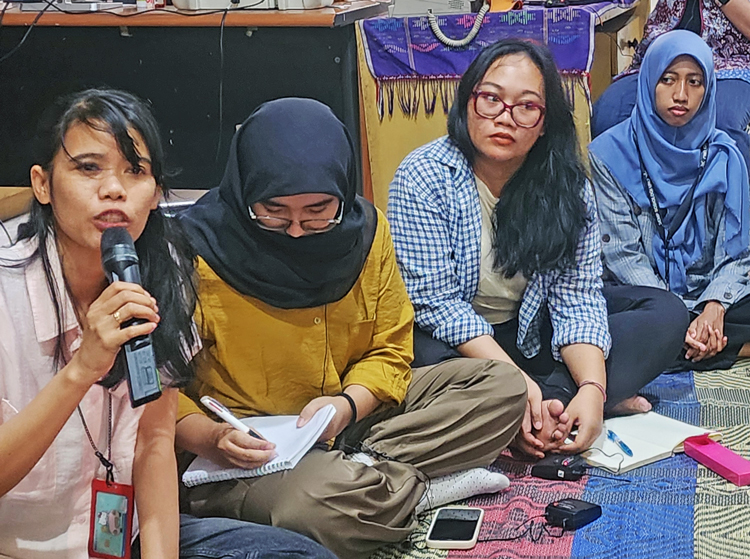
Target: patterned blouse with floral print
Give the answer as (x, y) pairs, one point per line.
(730, 47)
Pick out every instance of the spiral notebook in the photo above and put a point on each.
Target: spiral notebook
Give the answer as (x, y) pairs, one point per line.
(292, 443)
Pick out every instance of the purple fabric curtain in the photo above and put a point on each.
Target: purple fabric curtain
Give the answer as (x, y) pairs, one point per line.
(410, 63)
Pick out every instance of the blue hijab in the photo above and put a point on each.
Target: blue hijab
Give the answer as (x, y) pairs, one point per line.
(671, 156)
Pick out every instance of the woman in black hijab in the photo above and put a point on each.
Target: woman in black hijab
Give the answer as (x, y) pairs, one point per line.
(302, 306)
(266, 161)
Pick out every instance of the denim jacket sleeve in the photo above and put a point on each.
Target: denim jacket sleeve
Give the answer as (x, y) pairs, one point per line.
(419, 213)
(623, 250)
(576, 305)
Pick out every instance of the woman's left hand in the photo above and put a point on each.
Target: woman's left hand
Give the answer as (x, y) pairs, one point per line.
(705, 336)
(339, 421)
(586, 410)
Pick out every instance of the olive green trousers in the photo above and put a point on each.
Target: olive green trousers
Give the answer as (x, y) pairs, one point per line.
(457, 415)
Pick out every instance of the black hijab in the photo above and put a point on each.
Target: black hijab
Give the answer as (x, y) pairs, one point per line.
(286, 147)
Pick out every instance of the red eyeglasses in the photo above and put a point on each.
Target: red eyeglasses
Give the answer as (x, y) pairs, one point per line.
(489, 105)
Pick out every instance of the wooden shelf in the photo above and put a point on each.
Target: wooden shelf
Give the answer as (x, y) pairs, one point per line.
(341, 13)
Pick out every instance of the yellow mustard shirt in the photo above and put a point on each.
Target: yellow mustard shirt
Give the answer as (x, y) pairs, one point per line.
(262, 360)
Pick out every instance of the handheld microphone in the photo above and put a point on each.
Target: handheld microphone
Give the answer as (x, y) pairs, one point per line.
(120, 262)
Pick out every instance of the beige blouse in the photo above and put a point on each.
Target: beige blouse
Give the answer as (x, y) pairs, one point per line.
(498, 298)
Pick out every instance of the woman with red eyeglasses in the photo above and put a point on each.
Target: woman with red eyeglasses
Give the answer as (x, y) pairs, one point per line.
(497, 239)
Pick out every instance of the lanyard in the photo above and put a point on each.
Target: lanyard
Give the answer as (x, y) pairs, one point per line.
(106, 462)
(680, 215)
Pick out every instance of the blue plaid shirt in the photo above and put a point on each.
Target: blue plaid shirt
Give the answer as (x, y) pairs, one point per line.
(436, 223)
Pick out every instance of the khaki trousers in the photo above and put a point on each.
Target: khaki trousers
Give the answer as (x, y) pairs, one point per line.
(457, 415)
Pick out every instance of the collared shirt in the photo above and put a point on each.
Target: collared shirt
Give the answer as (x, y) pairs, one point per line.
(262, 360)
(628, 235)
(436, 220)
(47, 514)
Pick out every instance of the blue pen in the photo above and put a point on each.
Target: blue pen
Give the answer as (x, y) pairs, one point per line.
(615, 439)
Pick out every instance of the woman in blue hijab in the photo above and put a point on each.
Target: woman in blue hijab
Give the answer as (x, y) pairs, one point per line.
(673, 192)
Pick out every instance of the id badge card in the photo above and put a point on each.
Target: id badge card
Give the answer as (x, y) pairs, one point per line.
(111, 520)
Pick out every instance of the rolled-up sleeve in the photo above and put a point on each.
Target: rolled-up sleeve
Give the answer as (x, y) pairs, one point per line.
(419, 216)
(577, 307)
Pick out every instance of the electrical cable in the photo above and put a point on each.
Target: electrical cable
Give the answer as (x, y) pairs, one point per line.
(135, 13)
(529, 529)
(598, 22)
(25, 35)
(458, 43)
(224, 12)
(535, 531)
(221, 81)
(619, 464)
(620, 49)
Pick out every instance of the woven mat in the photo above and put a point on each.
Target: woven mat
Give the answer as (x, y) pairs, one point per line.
(671, 509)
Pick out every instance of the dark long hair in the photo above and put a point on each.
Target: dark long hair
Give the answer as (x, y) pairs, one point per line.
(540, 215)
(165, 261)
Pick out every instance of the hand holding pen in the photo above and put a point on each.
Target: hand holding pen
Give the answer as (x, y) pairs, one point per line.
(234, 445)
(224, 413)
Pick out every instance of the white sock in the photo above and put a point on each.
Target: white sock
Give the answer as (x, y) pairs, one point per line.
(461, 485)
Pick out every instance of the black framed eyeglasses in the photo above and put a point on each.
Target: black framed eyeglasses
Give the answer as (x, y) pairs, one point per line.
(313, 226)
(489, 105)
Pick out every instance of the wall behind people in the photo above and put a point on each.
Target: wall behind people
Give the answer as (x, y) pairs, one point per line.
(178, 71)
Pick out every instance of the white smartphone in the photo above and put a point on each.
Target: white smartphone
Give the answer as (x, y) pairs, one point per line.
(455, 528)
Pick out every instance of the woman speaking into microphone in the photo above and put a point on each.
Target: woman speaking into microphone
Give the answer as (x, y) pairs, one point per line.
(77, 459)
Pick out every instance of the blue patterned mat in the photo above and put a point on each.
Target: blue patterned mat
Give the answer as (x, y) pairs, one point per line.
(671, 509)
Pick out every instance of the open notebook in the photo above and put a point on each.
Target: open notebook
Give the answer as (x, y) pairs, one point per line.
(650, 436)
(292, 443)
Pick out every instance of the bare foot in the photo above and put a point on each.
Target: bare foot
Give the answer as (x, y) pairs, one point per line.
(631, 406)
(553, 429)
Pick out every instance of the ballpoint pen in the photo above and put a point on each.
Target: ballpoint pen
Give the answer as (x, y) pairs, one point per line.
(223, 412)
(618, 441)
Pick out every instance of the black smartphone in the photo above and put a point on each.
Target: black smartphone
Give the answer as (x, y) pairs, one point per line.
(455, 528)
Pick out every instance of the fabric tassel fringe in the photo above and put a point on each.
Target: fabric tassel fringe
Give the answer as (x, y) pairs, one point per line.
(411, 94)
